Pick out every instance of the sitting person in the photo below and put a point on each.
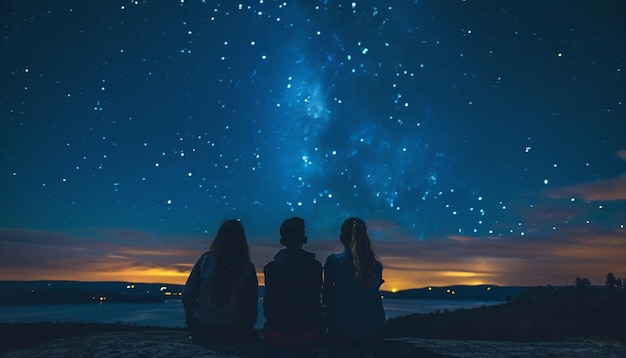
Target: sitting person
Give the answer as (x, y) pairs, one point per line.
(351, 286)
(293, 282)
(221, 294)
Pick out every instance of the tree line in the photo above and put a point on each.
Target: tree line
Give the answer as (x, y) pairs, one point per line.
(544, 313)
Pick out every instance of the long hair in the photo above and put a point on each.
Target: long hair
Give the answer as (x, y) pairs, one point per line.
(354, 237)
(230, 257)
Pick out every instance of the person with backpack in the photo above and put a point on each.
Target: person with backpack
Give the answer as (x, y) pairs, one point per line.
(221, 294)
(352, 279)
(293, 282)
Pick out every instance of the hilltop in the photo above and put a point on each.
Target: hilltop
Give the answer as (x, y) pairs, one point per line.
(541, 314)
(170, 343)
(27, 292)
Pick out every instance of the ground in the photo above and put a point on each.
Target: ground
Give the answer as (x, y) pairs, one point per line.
(169, 343)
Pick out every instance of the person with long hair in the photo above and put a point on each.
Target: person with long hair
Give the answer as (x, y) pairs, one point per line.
(221, 293)
(352, 279)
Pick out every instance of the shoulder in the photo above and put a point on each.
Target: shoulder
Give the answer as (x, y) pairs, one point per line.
(317, 264)
(205, 257)
(342, 256)
(269, 266)
(334, 259)
(249, 271)
(250, 267)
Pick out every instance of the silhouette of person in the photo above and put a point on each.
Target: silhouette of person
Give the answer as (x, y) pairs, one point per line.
(221, 294)
(293, 282)
(352, 279)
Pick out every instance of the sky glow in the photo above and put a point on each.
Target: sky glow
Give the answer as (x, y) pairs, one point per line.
(482, 142)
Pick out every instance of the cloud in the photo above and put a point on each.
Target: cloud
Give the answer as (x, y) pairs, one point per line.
(610, 189)
(530, 260)
(98, 255)
(557, 259)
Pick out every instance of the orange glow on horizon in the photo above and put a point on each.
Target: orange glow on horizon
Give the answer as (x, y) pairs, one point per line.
(395, 280)
(407, 264)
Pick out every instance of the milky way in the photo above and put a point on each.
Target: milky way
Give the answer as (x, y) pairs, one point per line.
(443, 118)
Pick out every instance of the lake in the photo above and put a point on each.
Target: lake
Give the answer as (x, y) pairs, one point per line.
(170, 313)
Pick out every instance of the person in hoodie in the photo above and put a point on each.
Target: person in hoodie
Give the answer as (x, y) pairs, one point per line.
(293, 283)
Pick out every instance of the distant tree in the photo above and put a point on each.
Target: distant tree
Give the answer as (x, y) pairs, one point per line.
(612, 283)
(582, 283)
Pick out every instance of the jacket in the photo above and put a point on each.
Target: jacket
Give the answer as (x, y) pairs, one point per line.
(293, 282)
(355, 311)
(242, 311)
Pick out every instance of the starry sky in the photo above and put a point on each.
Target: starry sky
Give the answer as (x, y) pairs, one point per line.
(482, 141)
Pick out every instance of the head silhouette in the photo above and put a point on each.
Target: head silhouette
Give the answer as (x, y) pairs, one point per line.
(230, 243)
(345, 234)
(292, 233)
(354, 237)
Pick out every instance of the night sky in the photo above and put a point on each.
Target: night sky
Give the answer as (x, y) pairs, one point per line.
(482, 141)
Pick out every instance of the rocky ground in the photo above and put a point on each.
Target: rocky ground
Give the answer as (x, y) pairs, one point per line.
(170, 343)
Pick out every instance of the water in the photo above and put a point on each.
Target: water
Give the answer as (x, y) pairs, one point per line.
(170, 313)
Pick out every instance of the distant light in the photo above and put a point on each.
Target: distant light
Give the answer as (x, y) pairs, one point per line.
(394, 290)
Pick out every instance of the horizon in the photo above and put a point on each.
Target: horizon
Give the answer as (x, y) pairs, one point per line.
(387, 291)
(481, 142)
(407, 263)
